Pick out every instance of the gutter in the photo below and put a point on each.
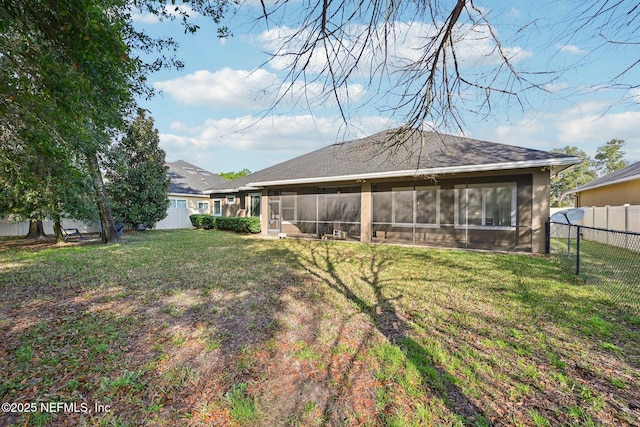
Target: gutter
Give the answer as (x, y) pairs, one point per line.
(418, 172)
(186, 194)
(232, 190)
(616, 181)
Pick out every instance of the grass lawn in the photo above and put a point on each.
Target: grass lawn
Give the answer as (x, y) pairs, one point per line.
(212, 328)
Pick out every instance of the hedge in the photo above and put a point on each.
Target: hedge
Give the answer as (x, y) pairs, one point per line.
(205, 221)
(241, 225)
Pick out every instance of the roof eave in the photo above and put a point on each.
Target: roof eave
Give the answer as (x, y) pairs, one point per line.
(604, 184)
(232, 190)
(188, 194)
(566, 162)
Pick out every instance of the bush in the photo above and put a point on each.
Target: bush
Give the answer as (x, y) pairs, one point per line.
(241, 225)
(204, 221)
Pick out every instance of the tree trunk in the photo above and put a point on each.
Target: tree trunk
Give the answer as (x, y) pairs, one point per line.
(109, 233)
(57, 229)
(36, 230)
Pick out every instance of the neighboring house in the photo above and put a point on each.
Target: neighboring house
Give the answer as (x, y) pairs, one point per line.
(615, 189)
(186, 195)
(433, 189)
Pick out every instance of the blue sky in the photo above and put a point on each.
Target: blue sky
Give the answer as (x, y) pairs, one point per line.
(211, 113)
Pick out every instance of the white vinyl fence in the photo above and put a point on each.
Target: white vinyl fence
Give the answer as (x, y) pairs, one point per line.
(10, 228)
(619, 218)
(176, 218)
(625, 219)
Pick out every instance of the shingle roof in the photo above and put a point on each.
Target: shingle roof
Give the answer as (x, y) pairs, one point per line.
(190, 179)
(415, 153)
(628, 173)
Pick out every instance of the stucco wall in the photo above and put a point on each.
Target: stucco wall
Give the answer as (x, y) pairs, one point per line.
(612, 195)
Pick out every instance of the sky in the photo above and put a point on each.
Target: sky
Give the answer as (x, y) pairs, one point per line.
(218, 113)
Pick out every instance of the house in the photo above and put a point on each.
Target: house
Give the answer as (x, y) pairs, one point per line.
(404, 187)
(615, 189)
(186, 193)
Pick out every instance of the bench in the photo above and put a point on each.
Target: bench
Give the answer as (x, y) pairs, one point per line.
(70, 232)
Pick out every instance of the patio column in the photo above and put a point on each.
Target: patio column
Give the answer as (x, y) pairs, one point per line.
(264, 213)
(540, 214)
(366, 213)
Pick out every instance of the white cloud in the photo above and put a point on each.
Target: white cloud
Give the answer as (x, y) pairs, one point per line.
(278, 138)
(601, 128)
(571, 49)
(251, 90)
(297, 134)
(474, 47)
(178, 126)
(525, 128)
(556, 87)
(514, 13)
(223, 89)
(147, 18)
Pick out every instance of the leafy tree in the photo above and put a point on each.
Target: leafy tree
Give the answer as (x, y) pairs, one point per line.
(70, 70)
(571, 178)
(234, 175)
(138, 186)
(42, 181)
(610, 157)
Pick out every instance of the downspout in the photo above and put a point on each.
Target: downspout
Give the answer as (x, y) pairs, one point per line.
(466, 213)
(414, 213)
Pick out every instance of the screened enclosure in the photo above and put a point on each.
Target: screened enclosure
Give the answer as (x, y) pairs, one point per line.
(453, 213)
(478, 215)
(319, 213)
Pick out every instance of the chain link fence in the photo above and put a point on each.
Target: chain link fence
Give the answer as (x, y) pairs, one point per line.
(606, 259)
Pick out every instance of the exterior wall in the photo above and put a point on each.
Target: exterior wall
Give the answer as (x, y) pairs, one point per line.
(237, 204)
(540, 209)
(613, 195)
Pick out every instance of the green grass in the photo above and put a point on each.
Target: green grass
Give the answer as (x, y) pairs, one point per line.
(180, 327)
(242, 408)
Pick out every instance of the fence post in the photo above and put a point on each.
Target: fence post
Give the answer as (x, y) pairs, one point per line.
(626, 225)
(547, 240)
(578, 252)
(606, 221)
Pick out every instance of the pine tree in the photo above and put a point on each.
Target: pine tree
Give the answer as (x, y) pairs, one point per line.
(137, 176)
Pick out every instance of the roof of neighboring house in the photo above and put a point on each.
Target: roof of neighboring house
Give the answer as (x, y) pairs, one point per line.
(393, 154)
(628, 173)
(190, 179)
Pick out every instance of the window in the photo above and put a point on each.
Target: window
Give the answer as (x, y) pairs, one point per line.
(289, 207)
(254, 204)
(486, 205)
(217, 207)
(177, 204)
(419, 206)
(203, 206)
(231, 200)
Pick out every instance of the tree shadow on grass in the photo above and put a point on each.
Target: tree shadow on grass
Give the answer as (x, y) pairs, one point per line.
(546, 317)
(156, 333)
(366, 293)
